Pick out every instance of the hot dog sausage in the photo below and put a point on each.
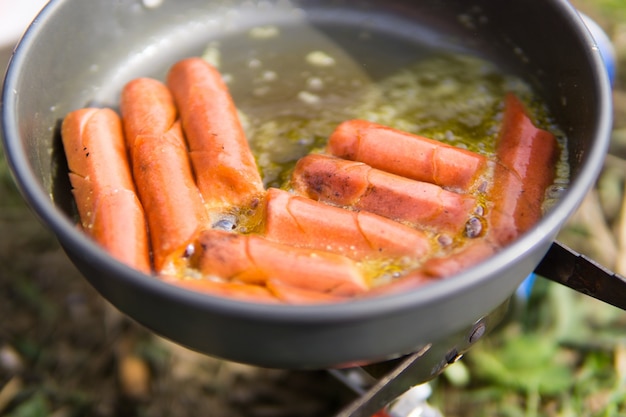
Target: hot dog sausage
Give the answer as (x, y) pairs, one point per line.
(102, 184)
(303, 222)
(526, 160)
(147, 108)
(355, 184)
(225, 168)
(255, 260)
(405, 154)
(168, 192)
(236, 290)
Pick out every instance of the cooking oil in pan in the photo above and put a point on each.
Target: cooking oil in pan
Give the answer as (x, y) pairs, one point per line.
(294, 87)
(295, 76)
(296, 73)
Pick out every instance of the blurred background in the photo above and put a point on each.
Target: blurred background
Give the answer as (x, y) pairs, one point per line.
(65, 352)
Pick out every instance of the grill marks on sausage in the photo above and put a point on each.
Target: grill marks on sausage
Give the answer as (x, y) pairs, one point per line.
(354, 184)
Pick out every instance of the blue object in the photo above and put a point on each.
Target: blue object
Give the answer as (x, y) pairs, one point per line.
(526, 287)
(604, 45)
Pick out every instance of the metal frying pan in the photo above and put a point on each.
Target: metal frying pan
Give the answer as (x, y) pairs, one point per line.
(79, 52)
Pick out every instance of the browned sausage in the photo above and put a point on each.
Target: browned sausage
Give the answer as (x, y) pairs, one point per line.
(347, 183)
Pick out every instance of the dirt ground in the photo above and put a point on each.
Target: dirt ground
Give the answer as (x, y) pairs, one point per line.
(65, 352)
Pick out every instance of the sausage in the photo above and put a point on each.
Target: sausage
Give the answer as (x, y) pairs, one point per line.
(147, 108)
(527, 150)
(94, 146)
(443, 266)
(253, 259)
(103, 187)
(174, 206)
(355, 184)
(120, 222)
(236, 290)
(297, 295)
(468, 255)
(225, 168)
(526, 160)
(409, 282)
(405, 154)
(511, 213)
(161, 168)
(303, 222)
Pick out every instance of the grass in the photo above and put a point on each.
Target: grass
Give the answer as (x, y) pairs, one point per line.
(562, 354)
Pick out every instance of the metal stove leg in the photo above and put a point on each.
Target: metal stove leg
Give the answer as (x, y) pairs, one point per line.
(379, 384)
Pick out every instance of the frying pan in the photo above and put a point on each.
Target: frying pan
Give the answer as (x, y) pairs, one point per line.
(80, 52)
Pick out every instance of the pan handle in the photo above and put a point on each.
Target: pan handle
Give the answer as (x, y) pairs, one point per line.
(576, 271)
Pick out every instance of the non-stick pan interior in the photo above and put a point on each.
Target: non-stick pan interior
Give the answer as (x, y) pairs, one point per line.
(81, 53)
(373, 41)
